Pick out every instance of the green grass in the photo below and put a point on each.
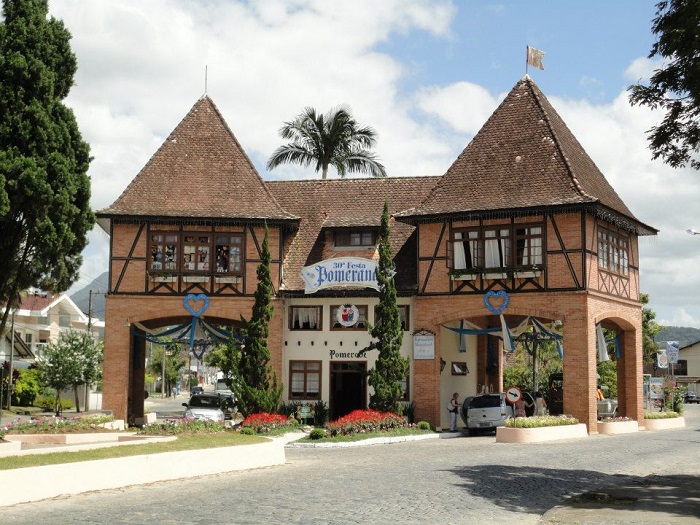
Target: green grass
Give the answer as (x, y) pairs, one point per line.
(349, 438)
(189, 442)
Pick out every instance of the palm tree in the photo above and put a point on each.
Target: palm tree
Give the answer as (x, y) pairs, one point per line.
(333, 139)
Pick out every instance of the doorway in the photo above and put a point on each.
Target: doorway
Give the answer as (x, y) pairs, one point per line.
(348, 390)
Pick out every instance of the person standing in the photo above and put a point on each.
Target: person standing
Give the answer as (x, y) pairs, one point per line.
(454, 410)
(540, 404)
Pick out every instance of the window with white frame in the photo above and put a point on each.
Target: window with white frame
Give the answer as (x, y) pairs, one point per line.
(528, 246)
(305, 380)
(465, 247)
(613, 252)
(305, 318)
(496, 247)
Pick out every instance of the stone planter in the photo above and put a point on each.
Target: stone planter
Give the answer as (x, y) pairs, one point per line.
(495, 275)
(617, 427)
(540, 434)
(663, 424)
(163, 279)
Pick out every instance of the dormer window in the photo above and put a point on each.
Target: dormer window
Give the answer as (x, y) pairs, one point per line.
(355, 238)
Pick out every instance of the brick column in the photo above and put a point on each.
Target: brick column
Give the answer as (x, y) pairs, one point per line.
(580, 370)
(115, 368)
(630, 376)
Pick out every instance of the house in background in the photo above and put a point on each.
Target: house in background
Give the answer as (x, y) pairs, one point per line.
(687, 370)
(41, 318)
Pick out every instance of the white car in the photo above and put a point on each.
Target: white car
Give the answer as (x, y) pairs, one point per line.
(204, 407)
(485, 412)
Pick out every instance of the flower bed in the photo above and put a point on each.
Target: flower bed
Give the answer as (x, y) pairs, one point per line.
(60, 425)
(264, 423)
(362, 421)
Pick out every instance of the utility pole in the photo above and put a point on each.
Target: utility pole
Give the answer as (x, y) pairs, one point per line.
(89, 330)
(10, 384)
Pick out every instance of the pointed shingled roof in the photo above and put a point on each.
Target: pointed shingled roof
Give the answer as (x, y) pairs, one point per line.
(344, 203)
(200, 171)
(523, 157)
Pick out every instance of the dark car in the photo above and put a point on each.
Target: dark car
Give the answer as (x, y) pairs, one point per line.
(196, 390)
(691, 397)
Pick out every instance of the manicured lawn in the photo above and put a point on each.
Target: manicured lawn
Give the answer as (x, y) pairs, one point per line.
(189, 442)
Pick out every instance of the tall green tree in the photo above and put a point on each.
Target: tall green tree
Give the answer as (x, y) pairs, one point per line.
(72, 361)
(675, 87)
(244, 360)
(44, 188)
(649, 330)
(174, 363)
(330, 139)
(391, 367)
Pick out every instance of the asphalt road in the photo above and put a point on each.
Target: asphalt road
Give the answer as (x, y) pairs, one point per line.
(460, 480)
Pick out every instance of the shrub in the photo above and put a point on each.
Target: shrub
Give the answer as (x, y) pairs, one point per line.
(48, 403)
(317, 433)
(321, 413)
(614, 419)
(248, 431)
(541, 421)
(424, 425)
(661, 415)
(265, 422)
(361, 421)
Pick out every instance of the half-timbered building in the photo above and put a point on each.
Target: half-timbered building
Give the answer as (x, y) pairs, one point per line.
(522, 228)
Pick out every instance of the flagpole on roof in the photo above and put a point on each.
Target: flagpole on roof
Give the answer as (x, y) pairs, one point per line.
(527, 58)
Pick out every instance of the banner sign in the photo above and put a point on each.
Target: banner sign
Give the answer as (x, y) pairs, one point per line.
(342, 271)
(656, 388)
(672, 348)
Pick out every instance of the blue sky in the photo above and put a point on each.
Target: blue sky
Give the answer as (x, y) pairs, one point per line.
(425, 74)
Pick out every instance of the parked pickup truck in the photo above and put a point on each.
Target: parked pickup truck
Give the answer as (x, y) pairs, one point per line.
(607, 408)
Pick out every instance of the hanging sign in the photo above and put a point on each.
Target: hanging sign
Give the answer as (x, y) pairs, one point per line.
(672, 352)
(341, 271)
(347, 315)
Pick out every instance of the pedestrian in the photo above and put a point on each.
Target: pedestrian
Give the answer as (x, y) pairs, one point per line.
(540, 404)
(520, 406)
(454, 409)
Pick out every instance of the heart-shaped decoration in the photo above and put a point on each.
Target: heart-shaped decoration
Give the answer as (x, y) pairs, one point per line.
(493, 299)
(192, 301)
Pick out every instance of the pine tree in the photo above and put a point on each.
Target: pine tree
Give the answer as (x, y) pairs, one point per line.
(44, 187)
(253, 382)
(391, 367)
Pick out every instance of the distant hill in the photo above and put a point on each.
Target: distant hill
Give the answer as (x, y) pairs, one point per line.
(82, 297)
(683, 334)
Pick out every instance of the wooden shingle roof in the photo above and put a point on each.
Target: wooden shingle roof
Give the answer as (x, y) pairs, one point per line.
(200, 172)
(524, 157)
(345, 203)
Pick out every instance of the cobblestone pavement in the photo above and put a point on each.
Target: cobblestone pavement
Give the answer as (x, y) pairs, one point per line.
(461, 480)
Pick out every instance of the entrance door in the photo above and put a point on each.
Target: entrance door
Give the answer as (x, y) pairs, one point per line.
(348, 390)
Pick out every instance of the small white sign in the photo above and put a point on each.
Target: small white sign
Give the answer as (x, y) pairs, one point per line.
(424, 346)
(672, 352)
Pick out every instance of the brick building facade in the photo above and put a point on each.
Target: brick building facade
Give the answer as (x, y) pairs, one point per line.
(522, 225)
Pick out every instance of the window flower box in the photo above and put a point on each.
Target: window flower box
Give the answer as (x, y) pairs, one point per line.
(494, 275)
(164, 278)
(527, 274)
(463, 276)
(228, 280)
(196, 278)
